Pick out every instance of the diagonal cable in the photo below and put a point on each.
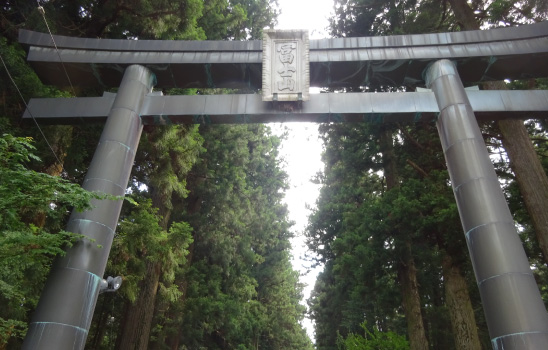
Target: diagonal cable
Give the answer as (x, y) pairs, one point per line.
(43, 12)
(32, 116)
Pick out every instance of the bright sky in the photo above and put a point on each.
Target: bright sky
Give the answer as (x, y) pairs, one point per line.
(306, 14)
(302, 149)
(301, 152)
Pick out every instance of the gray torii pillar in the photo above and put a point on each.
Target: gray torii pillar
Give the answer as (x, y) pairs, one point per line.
(63, 316)
(516, 316)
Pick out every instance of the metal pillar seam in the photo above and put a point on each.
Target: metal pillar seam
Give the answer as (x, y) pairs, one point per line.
(120, 143)
(456, 188)
(503, 274)
(514, 334)
(483, 225)
(96, 222)
(99, 179)
(64, 324)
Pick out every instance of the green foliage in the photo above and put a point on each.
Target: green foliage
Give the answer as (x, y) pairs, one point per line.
(237, 19)
(26, 251)
(25, 192)
(372, 340)
(141, 239)
(360, 229)
(505, 12)
(370, 18)
(141, 19)
(27, 81)
(146, 19)
(260, 14)
(166, 156)
(241, 288)
(236, 283)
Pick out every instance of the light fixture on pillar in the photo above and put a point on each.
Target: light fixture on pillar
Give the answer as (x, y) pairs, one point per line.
(111, 284)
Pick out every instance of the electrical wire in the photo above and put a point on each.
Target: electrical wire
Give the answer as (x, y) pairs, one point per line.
(43, 12)
(28, 110)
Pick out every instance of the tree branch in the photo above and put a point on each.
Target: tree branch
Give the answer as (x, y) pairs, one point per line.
(417, 167)
(410, 138)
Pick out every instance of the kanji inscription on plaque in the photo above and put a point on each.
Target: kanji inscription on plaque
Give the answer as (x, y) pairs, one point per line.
(285, 65)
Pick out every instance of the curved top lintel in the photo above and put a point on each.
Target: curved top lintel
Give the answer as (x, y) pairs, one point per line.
(530, 31)
(513, 53)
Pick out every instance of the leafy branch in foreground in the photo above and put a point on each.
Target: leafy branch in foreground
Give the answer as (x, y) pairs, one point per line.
(24, 192)
(27, 248)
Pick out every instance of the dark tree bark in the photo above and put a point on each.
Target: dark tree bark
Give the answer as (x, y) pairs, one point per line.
(388, 158)
(407, 275)
(530, 176)
(173, 340)
(464, 15)
(100, 329)
(137, 321)
(195, 202)
(407, 272)
(457, 299)
(138, 318)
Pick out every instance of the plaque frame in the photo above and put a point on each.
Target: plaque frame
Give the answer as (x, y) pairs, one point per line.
(279, 83)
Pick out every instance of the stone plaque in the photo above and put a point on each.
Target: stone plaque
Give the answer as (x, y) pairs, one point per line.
(286, 75)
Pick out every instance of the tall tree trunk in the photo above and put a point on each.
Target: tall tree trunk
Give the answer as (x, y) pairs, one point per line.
(464, 15)
(457, 299)
(137, 321)
(136, 328)
(100, 328)
(386, 145)
(407, 275)
(530, 175)
(194, 201)
(173, 340)
(407, 272)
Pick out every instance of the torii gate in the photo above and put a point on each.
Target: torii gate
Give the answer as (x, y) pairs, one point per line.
(514, 310)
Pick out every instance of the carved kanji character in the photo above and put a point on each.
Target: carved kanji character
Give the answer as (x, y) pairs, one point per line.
(286, 52)
(287, 70)
(286, 84)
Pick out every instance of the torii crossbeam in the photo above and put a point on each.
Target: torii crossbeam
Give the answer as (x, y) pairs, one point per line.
(514, 310)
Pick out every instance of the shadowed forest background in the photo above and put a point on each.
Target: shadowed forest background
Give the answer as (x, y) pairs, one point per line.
(203, 243)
